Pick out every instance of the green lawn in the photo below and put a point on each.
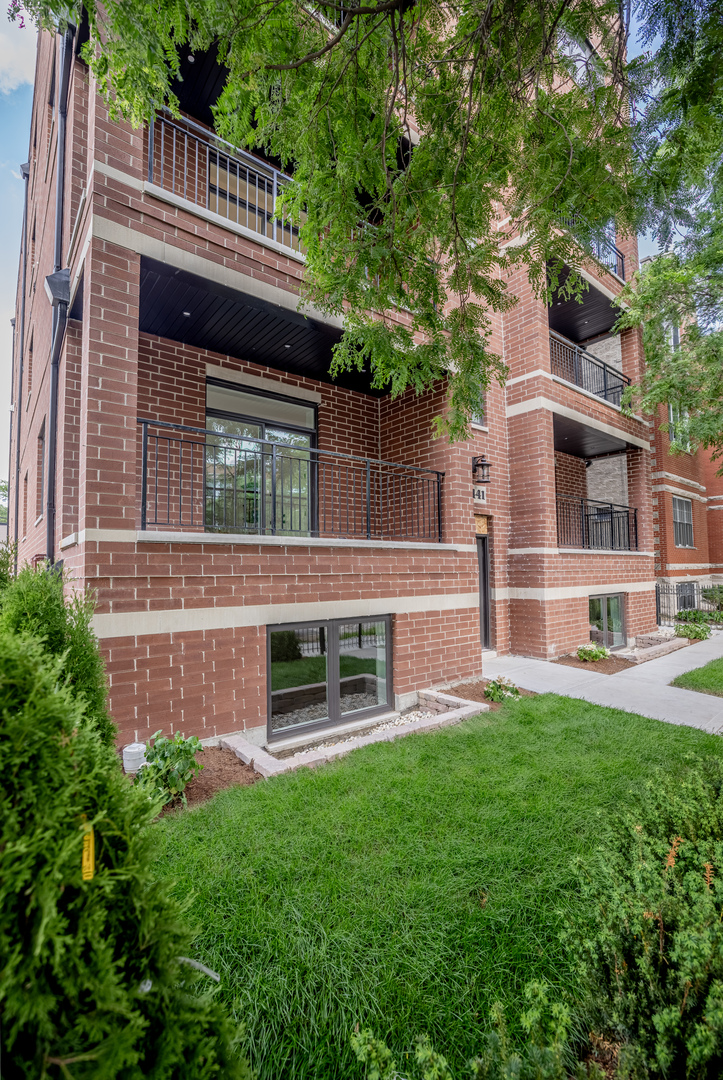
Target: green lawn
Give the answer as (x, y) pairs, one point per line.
(312, 669)
(707, 679)
(409, 885)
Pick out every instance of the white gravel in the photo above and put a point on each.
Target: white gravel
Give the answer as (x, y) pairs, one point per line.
(407, 718)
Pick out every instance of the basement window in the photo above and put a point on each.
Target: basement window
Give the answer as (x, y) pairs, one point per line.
(607, 623)
(326, 673)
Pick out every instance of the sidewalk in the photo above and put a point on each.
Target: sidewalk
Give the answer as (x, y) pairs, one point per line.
(642, 689)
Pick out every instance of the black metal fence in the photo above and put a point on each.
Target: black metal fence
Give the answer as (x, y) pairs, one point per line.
(191, 162)
(580, 367)
(587, 523)
(203, 480)
(602, 246)
(674, 598)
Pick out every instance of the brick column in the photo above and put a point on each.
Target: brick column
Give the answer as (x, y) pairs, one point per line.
(109, 432)
(640, 494)
(631, 350)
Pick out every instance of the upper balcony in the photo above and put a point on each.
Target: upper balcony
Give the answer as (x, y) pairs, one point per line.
(582, 368)
(187, 160)
(201, 480)
(603, 247)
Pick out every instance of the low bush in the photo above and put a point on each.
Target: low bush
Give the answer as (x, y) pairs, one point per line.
(592, 652)
(694, 631)
(33, 604)
(545, 1055)
(170, 764)
(93, 985)
(500, 689)
(651, 947)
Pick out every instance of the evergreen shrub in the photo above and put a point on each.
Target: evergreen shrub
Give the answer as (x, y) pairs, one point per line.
(284, 646)
(92, 984)
(651, 948)
(33, 604)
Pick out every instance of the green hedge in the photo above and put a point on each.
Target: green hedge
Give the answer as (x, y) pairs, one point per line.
(33, 604)
(91, 982)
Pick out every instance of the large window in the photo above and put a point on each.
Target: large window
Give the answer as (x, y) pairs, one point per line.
(252, 486)
(607, 625)
(326, 672)
(683, 522)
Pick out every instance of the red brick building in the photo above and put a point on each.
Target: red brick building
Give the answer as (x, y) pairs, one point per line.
(269, 546)
(687, 514)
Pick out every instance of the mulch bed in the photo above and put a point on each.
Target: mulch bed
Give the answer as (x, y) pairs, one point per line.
(611, 666)
(474, 691)
(221, 769)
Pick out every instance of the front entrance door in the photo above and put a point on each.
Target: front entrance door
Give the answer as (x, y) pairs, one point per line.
(483, 561)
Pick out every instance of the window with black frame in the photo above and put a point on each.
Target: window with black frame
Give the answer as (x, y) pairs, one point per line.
(259, 468)
(327, 672)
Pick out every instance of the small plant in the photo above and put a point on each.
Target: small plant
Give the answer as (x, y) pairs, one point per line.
(545, 1055)
(694, 631)
(592, 652)
(500, 689)
(284, 646)
(170, 764)
(694, 616)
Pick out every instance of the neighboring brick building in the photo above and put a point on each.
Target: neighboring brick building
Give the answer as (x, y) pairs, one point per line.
(687, 511)
(242, 514)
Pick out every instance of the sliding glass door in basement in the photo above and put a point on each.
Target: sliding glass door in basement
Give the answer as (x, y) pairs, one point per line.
(325, 673)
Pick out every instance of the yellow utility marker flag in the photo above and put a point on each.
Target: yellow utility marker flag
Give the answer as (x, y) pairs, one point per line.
(88, 861)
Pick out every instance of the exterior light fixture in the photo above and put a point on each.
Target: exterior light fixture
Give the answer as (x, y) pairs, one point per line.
(287, 346)
(481, 470)
(187, 314)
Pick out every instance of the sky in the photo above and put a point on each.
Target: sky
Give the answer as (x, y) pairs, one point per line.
(17, 71)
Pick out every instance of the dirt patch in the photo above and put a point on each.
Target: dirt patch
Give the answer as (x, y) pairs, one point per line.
(474, 691)
(611, 666)
(221, 769)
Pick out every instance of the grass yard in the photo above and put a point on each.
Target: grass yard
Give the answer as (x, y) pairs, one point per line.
(312, 669)
(410, 885)
(706, 680)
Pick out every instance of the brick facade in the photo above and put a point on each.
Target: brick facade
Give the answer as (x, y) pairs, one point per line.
(182, 615)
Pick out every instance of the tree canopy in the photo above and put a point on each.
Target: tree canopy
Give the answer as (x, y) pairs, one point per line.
(435, 146)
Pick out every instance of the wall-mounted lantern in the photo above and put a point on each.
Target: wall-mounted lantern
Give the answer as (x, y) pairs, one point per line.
(481, 470)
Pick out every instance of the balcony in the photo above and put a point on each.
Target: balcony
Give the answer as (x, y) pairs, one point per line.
(192, 163)
(204, 481)
(581, 368)
(587, 523)
(602, 247)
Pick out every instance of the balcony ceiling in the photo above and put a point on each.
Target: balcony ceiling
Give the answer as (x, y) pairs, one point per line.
(572, 437)
(235, 324)
(580, 322)
(200, 84)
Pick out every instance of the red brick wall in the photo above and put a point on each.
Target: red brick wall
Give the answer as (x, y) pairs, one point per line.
(570, 475)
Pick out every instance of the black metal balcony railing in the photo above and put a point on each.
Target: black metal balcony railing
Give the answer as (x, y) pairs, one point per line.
(587, 523)
(196, 479)
(189, 161)
(581, 368)
(602, 247)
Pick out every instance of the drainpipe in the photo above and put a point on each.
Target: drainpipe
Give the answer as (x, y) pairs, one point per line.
(57, 286)
(18, 403)
(10, 436)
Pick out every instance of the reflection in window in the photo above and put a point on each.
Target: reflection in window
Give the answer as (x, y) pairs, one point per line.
(362, 665)
(606, 620)
(298, 677)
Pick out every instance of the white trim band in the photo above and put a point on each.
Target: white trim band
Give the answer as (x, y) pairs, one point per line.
(151, 536)
(184, 620)
(572, 592)
(538, 403)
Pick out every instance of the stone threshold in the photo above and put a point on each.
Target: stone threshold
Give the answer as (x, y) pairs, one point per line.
(445, 708)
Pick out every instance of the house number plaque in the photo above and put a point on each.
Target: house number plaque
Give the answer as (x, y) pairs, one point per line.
(479, 493)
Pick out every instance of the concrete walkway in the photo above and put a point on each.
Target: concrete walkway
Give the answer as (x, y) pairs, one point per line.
(642, 689)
